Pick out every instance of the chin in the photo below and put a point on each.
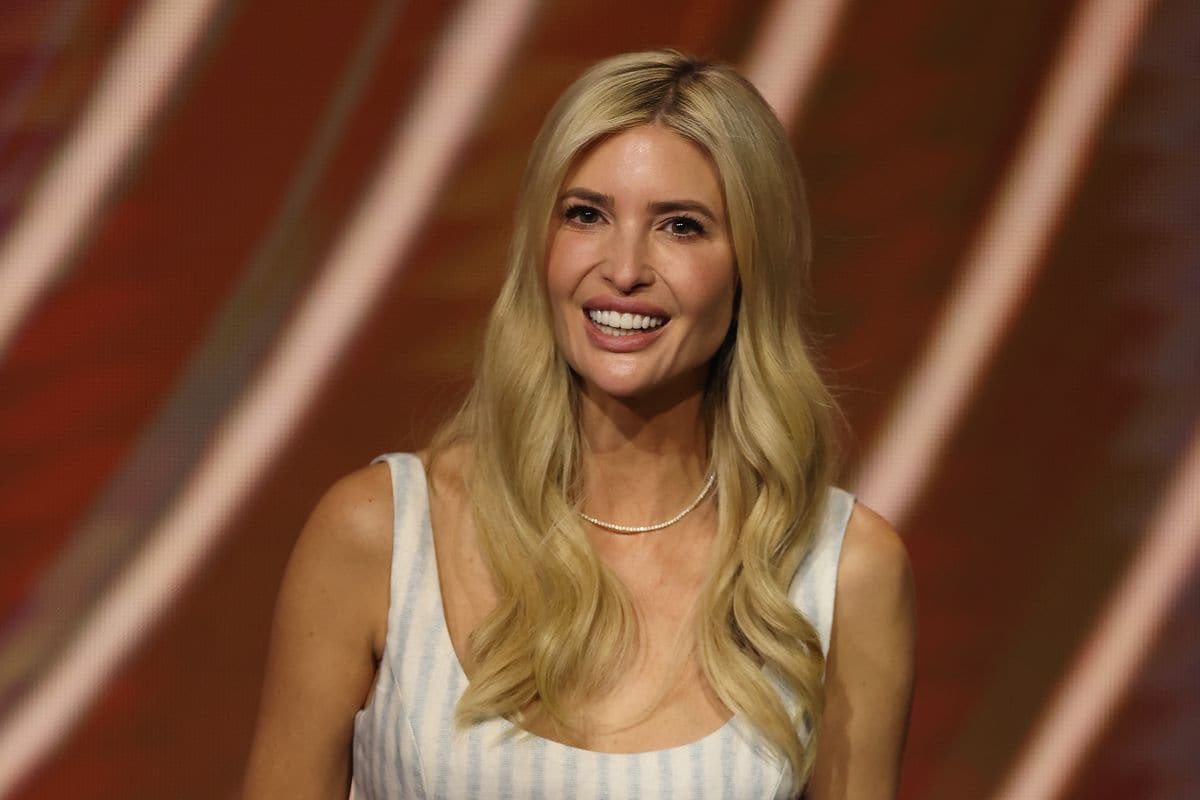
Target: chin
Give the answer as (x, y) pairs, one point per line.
(619, 388)
(642, 387)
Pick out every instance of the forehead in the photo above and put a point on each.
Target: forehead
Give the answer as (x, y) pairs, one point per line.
(648, 160)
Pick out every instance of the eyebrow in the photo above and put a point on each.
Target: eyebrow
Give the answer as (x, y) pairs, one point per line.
(596, 198)
(667, 206)
(658, 207)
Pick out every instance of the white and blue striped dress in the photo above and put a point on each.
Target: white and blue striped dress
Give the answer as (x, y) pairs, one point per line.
(405, 742)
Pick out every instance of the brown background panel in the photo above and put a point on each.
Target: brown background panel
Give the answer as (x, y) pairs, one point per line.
(104, 346)
(1153, 182)
(907, 135)
(1072, 439)
(1150, 745)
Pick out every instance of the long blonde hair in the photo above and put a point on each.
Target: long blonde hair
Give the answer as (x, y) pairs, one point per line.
(564, 624)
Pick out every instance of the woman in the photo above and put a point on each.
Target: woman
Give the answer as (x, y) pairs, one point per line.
(614, 572)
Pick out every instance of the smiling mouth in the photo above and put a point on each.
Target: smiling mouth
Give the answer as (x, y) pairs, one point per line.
(616, 323)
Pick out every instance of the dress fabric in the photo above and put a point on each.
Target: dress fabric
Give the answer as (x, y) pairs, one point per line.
(405, 741)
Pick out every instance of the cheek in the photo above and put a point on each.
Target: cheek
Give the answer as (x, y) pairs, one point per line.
(717, 292)
(722, 321)
(561, 281)
(557, 281)
(553, 271)
(719, 308)
(564, 258)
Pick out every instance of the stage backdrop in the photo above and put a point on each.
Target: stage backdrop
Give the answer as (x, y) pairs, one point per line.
(247, 246)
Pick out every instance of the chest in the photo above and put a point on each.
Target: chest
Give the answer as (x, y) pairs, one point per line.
(406, 744)
(660, 699)
(483, 762)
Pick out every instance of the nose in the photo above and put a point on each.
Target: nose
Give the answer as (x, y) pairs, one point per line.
(626, 266)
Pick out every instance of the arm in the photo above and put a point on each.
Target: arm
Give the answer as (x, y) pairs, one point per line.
(872, 662)
(330, 621)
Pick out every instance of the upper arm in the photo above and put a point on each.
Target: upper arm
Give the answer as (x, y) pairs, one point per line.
(329, 621)
(871, 666)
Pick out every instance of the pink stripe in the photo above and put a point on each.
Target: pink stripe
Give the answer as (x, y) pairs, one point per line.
(1082, 706)
(788, 51)
(136, 83)
(1001, 266)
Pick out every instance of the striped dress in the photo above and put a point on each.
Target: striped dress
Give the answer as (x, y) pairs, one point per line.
(405, 742)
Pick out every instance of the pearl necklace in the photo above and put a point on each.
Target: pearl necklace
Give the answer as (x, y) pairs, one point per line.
(627, 529)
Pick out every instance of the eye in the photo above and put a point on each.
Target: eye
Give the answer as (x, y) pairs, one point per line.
(685, 227)
(583, 215)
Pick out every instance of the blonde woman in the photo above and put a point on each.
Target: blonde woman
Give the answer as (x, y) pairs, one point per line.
(621, 570)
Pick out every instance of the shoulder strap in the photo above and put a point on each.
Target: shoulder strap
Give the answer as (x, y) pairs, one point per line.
(412, 548)
(814, 587)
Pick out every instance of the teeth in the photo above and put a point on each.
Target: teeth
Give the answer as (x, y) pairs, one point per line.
(626, 323)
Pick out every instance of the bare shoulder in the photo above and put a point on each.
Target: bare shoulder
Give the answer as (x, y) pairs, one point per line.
(345, 547)
(355, 513)
(874, 572)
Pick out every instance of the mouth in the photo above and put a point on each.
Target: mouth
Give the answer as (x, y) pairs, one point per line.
(617, 323)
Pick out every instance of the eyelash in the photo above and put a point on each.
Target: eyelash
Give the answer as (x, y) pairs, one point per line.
(573, 212)
(697, 228)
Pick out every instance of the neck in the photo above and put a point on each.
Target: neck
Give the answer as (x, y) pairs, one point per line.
(645, 459)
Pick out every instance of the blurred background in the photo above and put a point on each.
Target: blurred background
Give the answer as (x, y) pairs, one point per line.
(247, 246)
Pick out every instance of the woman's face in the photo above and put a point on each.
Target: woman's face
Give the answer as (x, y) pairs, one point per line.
(640, 269)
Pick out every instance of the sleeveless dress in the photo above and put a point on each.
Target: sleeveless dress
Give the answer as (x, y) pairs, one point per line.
(405, 741)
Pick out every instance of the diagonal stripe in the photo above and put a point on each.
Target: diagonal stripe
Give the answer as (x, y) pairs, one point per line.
(484, 35)
(1004, 260)
(1088, 695)
(789, 48)
(136, 85)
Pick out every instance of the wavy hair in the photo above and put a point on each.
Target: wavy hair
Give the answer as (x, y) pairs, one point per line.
(564, 624)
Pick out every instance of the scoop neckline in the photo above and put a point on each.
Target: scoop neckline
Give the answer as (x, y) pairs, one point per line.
(443, 627)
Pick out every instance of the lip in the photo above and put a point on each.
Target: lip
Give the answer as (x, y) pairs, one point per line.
(629, 343)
